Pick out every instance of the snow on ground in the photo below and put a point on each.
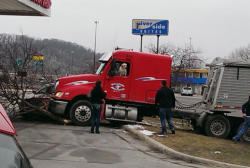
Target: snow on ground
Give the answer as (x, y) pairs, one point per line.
(146, 132)
(142, 129)
(135, 126)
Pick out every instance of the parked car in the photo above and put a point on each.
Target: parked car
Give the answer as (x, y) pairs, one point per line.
(187, 91)
(11, 153)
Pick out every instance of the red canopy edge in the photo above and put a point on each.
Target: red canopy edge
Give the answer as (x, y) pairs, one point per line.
(6, 125)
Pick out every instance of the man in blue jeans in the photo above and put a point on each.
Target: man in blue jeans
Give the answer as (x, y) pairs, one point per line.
(96, 97)
(165, 100)
(246, 124)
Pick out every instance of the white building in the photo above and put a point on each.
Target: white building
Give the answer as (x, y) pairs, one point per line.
(194, 78)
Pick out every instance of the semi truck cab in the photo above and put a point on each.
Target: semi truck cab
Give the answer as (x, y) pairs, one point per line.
(130, 80)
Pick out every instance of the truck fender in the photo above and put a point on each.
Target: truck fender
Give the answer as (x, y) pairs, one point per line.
(75, 99)
(201, 119)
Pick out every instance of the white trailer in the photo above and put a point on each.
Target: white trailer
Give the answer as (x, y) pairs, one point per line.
(219, 114)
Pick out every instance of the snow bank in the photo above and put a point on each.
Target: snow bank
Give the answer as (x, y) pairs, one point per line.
(146, 132)
(135, 126)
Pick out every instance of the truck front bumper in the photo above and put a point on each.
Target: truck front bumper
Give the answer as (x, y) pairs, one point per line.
(58, 107)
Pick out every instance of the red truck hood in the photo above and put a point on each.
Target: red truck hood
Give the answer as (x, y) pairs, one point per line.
(5, 123)
(72, 86)
(78, 79)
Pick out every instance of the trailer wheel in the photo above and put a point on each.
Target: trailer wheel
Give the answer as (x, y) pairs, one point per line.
(245, 137)
(80, 112)
(217, 126)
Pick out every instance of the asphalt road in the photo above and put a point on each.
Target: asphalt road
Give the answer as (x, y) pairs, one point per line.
(57, 146)
(188, 99)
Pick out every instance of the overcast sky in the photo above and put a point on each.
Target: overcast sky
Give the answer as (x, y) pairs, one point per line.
(217, 27)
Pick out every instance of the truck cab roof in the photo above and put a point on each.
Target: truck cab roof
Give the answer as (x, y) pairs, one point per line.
(105, 57)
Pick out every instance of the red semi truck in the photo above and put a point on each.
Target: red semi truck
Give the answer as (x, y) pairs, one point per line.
(130, 95)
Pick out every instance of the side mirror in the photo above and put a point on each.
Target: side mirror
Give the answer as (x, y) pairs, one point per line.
(112, 68)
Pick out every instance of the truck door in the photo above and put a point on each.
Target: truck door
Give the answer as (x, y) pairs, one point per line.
(117, 80)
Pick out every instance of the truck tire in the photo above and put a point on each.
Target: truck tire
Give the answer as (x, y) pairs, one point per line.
(217, 126)
(80, 112)
(245, 137)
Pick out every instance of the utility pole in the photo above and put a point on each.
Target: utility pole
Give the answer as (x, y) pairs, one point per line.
(96, 22)
(190, 49)
(71, 66)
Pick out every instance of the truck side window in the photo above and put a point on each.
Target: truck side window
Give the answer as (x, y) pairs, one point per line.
(119, 69)
(123, 69)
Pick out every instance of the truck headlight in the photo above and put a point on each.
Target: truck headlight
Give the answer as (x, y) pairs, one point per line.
(59, 94)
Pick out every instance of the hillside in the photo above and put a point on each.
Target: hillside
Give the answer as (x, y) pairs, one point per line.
(60, 57)
(67, 57)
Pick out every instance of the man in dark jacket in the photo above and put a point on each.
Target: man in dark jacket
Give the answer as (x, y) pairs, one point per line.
(246, 124)
(165, 100)
(96, 96)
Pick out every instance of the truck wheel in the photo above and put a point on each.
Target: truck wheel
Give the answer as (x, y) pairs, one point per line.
(245, 137)
(217, 126)
(80, 112)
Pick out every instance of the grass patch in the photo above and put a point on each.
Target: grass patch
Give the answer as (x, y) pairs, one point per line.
(188, 142)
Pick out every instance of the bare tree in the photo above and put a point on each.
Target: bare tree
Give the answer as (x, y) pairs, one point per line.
(18, 75)
(182, 58)
(241, 54)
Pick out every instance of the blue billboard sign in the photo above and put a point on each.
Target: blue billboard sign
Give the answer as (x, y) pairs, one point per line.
(149, 27)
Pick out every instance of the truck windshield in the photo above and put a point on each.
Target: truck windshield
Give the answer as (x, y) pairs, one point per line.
(101, 67)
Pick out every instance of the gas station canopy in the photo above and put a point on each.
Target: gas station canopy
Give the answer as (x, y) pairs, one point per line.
(25, 7)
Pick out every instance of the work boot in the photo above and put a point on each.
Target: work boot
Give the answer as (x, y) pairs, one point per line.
(162, 135)
(235, 140)
(173, 131)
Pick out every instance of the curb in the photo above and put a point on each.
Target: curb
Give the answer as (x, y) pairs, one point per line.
(178, 155)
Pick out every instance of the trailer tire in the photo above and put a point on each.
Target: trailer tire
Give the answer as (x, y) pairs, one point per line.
(246, 136)
(80, 112)
(217, 126)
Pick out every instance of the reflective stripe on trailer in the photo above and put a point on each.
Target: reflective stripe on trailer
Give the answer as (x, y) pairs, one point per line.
(228, 107)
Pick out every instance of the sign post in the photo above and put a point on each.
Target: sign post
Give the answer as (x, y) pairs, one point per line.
(19, 62)
(141, 43)
(157, 47)
(38, 60)
(150, 27)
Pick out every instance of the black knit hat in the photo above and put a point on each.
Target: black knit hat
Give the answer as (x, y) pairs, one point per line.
(98, 83)
(163, 83)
